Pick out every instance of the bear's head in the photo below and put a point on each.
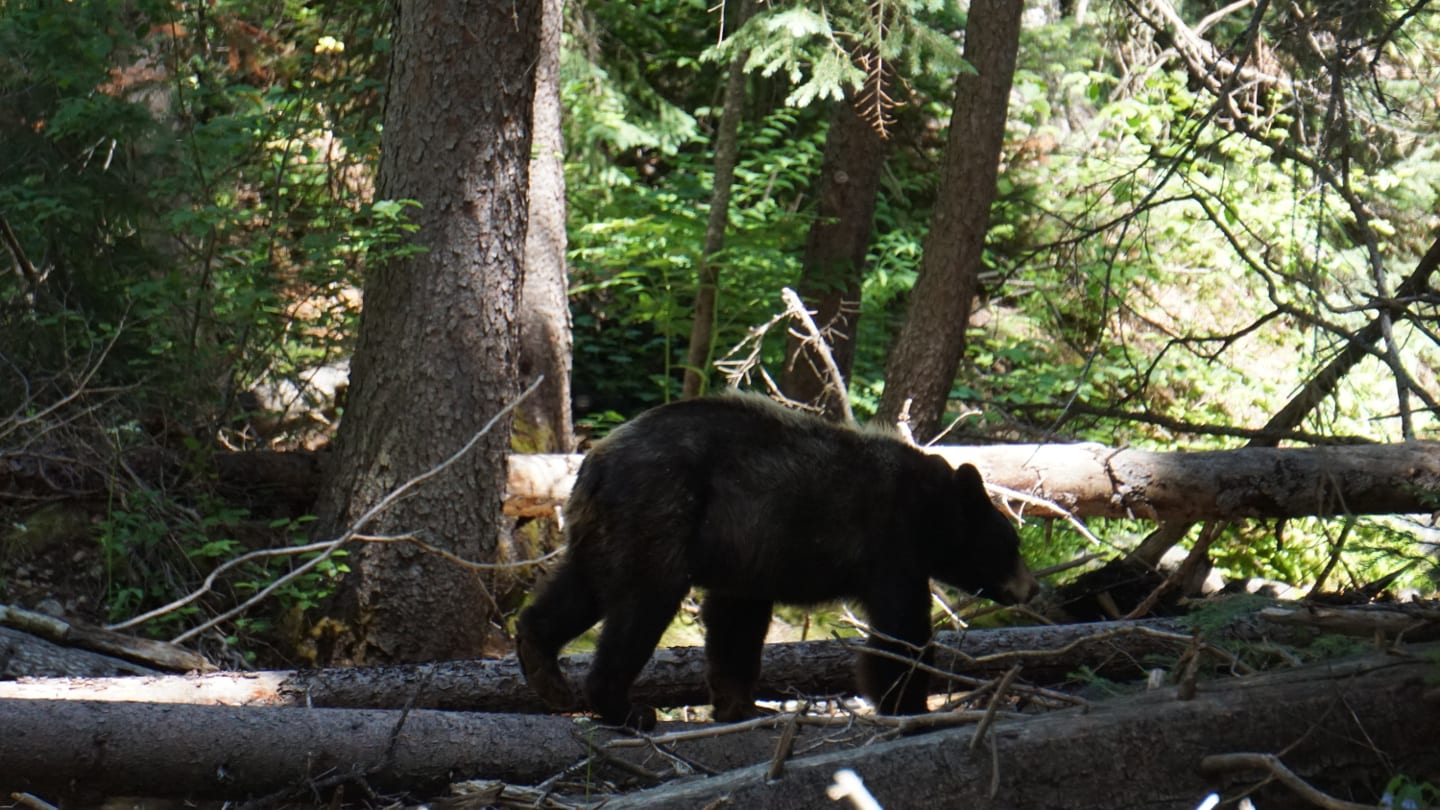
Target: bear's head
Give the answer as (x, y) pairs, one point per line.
(975, 546)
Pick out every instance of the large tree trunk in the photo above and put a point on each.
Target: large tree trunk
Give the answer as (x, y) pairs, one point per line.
(835, 251)
(1348, 726)
(727, 147)
(437, 345)
(927, 352)
(542, 422)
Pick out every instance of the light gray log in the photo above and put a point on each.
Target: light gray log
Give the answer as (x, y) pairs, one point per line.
(1093, 480)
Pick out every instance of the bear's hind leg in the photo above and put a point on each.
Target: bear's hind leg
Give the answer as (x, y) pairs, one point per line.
(734, 638)
(633, 625)
(566, 607)
(901, 615)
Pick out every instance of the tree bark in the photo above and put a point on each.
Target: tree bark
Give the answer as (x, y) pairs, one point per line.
(927, 352)
(147, 653)
(1347, 727)
(84, 751)
(543, 421)
(436, 356)
(727, 147)
(675, 676)
(1090, 480)
(23, 655)
(834, 263)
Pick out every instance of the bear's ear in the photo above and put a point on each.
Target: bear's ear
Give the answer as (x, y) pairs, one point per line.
(969, 480)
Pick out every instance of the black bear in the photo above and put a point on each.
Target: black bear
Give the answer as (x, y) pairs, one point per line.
(757, 504)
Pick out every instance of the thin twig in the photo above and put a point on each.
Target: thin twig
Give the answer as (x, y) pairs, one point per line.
(988, 718)
(328, 548)
(1219, 763)
(835, 380)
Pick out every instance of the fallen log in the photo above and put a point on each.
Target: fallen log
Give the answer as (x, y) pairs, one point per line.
(82, 751)
(674, 676)
(23, 655)
(1089, 480)
(1092, 480)
(145, 652)
(1346, 727)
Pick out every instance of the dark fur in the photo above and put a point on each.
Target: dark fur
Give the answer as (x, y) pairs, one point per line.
(757, 504)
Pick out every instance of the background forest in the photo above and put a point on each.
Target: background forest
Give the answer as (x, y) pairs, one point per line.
(1198, 207)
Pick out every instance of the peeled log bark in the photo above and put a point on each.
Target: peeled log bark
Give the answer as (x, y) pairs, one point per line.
(674, 677)
(1345, 727)
(1348, 727)
(1091, 480)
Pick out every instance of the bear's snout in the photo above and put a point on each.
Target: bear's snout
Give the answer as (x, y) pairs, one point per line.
(1020, 587)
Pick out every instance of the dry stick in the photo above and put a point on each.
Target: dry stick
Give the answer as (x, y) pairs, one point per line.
(32, 801)
(836, 381)
(16, 422)
(1056, 509)
(989, 718)
(1217, 763)
(23, 266)
(1334, 558)
(1038, 692)
(783, 747)
(455, 558)
(327, 548)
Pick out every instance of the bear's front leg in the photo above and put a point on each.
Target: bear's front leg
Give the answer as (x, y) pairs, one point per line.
(900, 627)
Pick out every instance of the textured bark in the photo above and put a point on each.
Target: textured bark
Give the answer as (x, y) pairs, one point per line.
(75, 635)
(927, 352)
(674, 677)
(436, 356)
(25, 656)
(82, 751)
(1091, 480)
(707, 292)
(1347, 727)
(834, 263)
(542, 422)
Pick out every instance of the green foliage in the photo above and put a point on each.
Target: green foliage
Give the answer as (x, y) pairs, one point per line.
(1404, 793)
(634, 244)
(190, 195)
(177, 206)
(156, 549)
(829, 51)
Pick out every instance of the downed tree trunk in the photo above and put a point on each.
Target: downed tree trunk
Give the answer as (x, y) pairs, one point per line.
(1090, 480)
(148, 653)
(674, 677)
(1253, 482)
(1346, 727)
(23, 655)
(84, 751)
